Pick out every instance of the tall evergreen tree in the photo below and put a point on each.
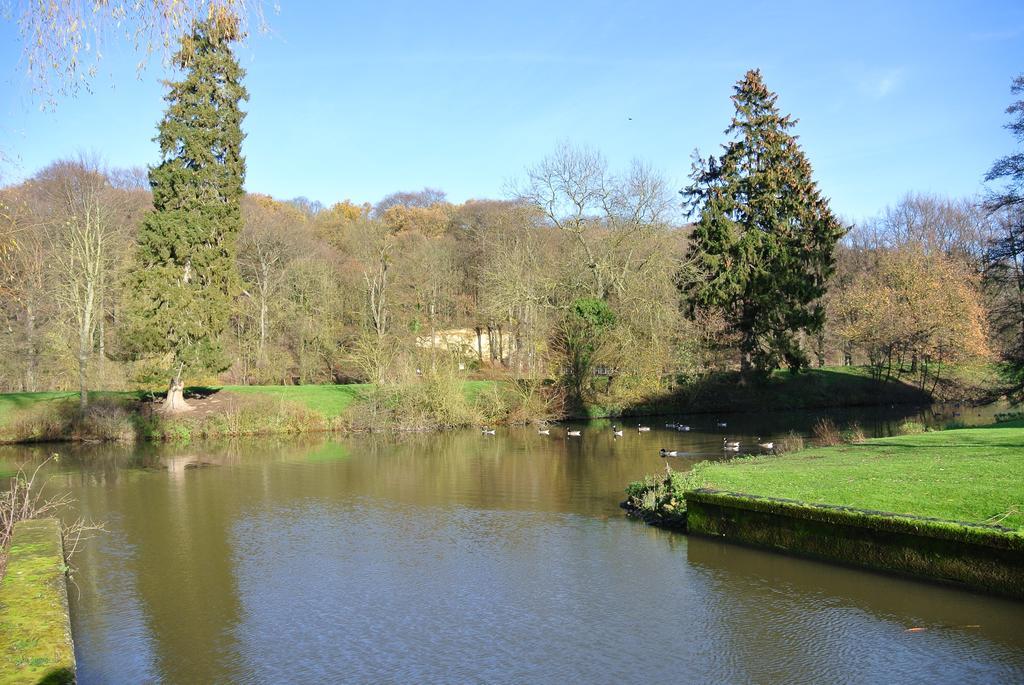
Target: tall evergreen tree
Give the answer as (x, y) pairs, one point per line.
(1004, 267)
(186, 277)
(764, 243)
(1010, 169)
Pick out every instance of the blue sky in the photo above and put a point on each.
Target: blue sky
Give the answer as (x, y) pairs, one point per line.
(356, 100)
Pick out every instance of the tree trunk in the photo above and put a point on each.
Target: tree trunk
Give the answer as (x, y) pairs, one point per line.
(101, 318)
(83, 390)
(1016, 250)
(263, 329)
(501, 346)
(433, 339)
(518, 347)
(174, 402)
(101, 336)
(264, 294)
(479, 345)
(85, 342)
(33, 350)
(746, 366)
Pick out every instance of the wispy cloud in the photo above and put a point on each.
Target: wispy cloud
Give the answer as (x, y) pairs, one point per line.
(997, 35)
(878, 83)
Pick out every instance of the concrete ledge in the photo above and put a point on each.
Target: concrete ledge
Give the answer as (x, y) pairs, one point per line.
(35, 625)
(988, 558)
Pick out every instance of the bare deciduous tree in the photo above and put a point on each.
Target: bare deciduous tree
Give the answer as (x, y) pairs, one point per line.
(958, 228)
(87, 218)
(605, 215)
(376, 258)
(271, 237)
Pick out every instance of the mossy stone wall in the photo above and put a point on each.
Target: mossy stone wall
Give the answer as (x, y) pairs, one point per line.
(985, 558)
(35, 625)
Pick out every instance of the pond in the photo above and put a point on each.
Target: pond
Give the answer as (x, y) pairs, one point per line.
(463, 557)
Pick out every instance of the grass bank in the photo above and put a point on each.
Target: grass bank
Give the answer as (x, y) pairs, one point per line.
(945, 505)
(439, 399)
(971, 475)
(435, 401)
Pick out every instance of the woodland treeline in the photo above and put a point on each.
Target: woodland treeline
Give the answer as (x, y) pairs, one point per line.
(589, 276)
(332, 294)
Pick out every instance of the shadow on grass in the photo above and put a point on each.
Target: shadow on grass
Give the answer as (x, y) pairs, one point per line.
(809, 389)
(57, 676)
(200, 392)
(24, 400)
(1015, 423)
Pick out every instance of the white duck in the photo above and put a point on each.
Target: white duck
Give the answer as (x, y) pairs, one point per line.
(574, 434)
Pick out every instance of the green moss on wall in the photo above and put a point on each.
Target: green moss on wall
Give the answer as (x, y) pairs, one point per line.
(35, 626)
(988, 558)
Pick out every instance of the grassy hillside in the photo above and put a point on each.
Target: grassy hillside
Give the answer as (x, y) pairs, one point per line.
(837, 386)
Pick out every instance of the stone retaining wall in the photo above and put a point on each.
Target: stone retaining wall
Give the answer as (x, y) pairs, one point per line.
(988, 558)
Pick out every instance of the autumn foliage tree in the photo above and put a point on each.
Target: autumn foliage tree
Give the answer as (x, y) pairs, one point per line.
(912, 310)
(764, 240)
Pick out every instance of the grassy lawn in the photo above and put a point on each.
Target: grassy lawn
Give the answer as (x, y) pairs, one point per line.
(13, 402)
(472, 389)
(329, 400)
(333, 400)
(974, 475)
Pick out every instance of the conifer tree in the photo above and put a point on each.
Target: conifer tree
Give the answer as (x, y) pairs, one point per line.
(765, 239)
(181, 292)
(1004, 268)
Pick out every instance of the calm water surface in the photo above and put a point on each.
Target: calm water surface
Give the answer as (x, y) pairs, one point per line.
(468, 558)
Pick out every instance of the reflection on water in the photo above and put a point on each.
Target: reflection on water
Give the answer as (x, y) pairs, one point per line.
(462, 557)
